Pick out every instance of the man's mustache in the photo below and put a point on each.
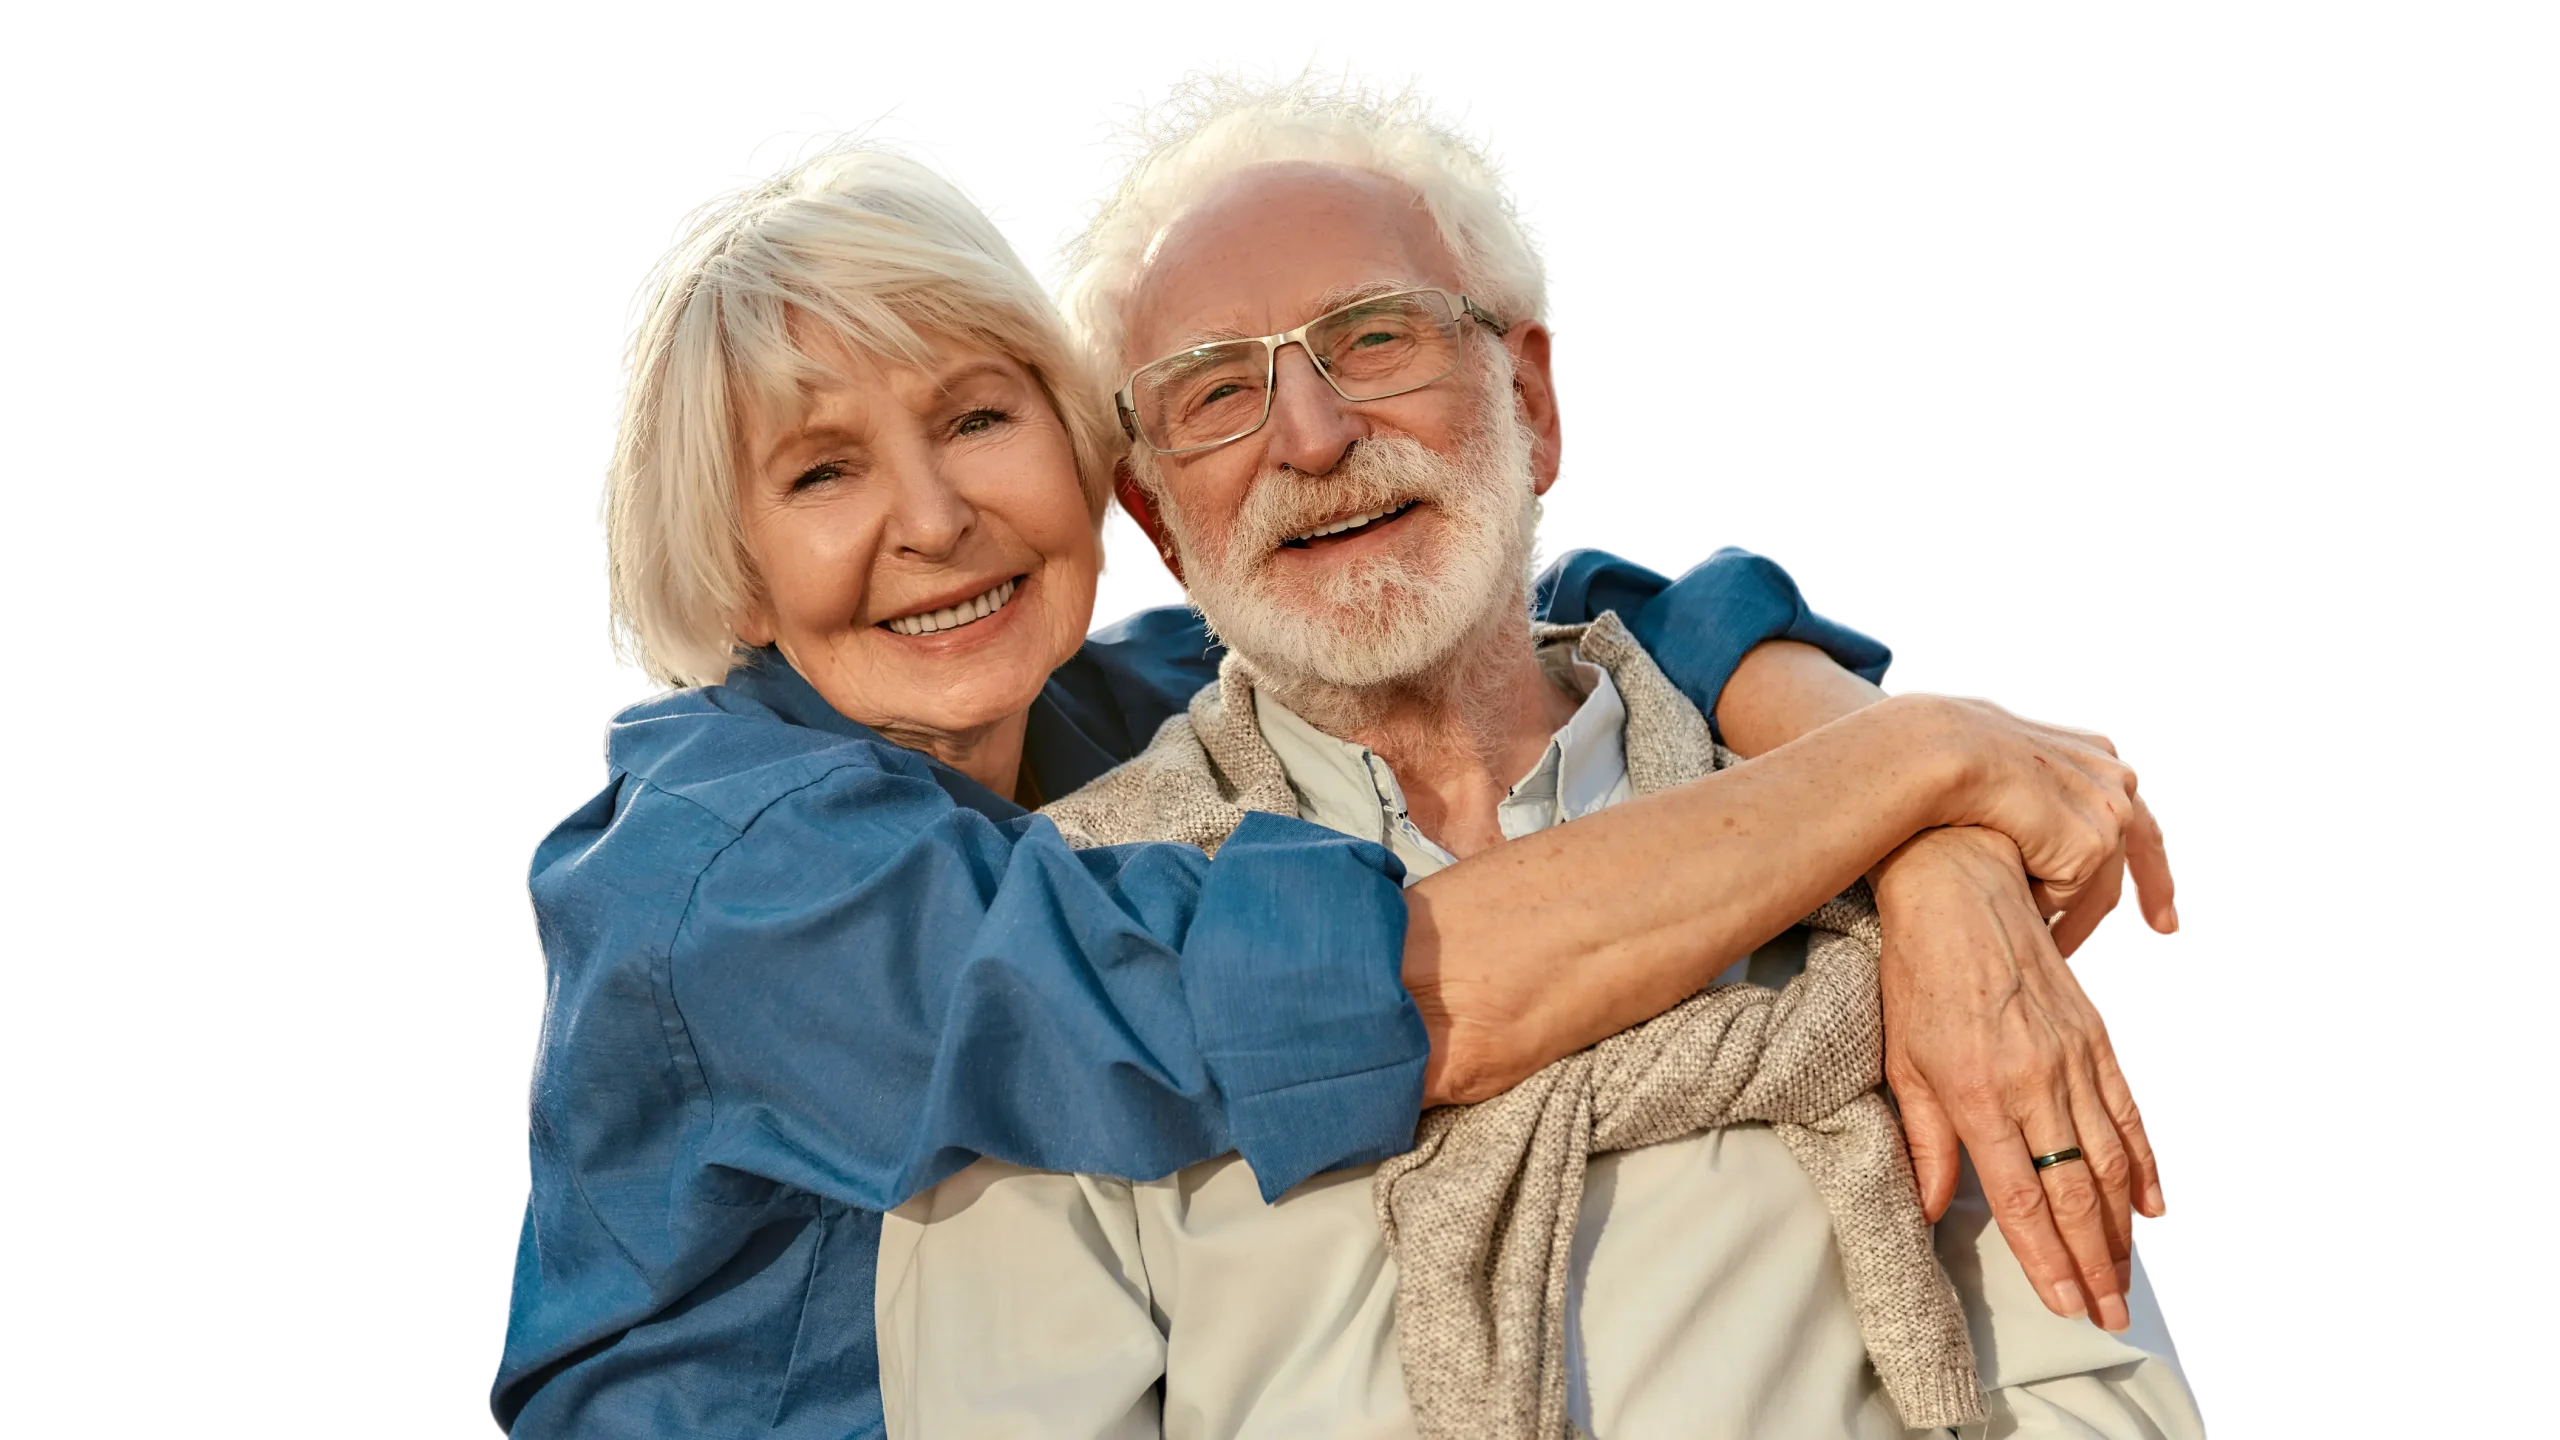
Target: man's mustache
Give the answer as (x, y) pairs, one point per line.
(1375, 473)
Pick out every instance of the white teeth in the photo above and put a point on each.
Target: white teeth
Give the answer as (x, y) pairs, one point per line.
(953, 616)
(1353, 523)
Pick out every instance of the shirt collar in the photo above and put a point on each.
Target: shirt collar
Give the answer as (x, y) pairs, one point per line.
(769, 680)
(1347, 787)
(1586, 761)
(1336, 782)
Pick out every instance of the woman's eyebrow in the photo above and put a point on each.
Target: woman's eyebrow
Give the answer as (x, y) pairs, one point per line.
(801, 439)
(977, 367)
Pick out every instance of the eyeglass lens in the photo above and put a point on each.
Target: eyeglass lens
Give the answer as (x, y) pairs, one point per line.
(1368, 351)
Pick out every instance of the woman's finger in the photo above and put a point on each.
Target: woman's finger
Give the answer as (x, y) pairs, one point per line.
(2147, 855)
(2092, 905)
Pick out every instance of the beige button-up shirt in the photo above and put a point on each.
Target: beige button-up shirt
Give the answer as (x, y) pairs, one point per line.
(1705, 1296)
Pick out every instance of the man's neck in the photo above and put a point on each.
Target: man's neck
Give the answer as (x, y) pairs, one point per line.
(1458, 738)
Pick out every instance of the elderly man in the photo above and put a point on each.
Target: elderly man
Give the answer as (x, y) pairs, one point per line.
(1340, 397)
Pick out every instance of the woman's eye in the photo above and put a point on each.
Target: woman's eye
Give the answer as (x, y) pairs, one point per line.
(818, 475)
(979, 422)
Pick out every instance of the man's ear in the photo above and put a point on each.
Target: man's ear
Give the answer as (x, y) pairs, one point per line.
(1533, 381)
(1133, 498)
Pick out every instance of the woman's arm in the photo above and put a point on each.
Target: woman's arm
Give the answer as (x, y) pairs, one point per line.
(1546, 944)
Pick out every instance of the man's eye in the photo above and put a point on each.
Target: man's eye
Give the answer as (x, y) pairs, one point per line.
(1375, 337)
(979, 422)
(1220, 392)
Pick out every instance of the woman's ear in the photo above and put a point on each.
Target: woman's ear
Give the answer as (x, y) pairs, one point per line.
(753, 619)
(1133, 498)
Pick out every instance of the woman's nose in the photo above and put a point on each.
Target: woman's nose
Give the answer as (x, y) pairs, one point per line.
(930, 517)
(1310, 425)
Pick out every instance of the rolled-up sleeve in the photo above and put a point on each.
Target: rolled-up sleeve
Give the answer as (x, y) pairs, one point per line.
(1699, 627)
(879, 987)
(1300, 1003)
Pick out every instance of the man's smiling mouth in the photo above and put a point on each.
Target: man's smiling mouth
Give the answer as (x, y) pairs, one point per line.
(1350, 524)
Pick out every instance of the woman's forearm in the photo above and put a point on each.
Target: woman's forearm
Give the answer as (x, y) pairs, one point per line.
(1784, 689)
(1550, 943)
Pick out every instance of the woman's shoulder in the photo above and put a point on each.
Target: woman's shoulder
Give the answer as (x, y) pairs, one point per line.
(691, 773)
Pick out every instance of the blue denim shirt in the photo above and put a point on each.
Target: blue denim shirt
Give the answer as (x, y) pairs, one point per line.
(799, 973)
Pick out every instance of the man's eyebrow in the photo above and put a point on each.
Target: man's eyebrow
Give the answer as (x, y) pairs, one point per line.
(1341, 295)
(1214, 335)
(1324, 304)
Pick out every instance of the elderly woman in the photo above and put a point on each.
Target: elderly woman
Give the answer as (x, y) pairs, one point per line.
(811, 953)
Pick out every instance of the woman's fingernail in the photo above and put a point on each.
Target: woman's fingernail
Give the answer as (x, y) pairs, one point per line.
(2170, 915)
(2112, 1315)
(2066, 1301)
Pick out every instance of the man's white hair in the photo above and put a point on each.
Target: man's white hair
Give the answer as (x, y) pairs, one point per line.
(855, 245)
(1212, 126)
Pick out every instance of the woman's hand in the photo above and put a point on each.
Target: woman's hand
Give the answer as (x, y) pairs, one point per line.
(2070, 805)
(1990, 1041)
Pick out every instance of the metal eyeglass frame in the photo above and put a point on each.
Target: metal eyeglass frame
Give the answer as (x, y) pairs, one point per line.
(1125, 399)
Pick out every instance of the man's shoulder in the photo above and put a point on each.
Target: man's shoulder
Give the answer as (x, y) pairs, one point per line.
(1206, 769)
(1169, 791)
(1667, 738)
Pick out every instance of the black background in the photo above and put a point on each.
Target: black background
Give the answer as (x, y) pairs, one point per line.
(2133, 270)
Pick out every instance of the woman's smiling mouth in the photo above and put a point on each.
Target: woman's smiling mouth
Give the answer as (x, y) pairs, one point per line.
(952, 617)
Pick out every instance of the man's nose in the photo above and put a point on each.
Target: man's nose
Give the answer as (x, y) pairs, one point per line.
(1310, 425)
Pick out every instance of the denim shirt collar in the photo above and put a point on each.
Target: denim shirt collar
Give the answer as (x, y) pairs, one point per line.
(769, 680)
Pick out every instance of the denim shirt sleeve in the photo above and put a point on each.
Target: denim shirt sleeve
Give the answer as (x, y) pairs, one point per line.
(1699, 627)
(881, 987)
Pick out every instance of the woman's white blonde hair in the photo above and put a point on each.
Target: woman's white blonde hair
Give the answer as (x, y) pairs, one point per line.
(857, 244)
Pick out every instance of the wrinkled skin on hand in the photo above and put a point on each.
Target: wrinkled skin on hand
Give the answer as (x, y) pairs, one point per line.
(1991, 1043)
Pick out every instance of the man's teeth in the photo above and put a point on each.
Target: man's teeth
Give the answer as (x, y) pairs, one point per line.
(951, 617)
(1353, 523)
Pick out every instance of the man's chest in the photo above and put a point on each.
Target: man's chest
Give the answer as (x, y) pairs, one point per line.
(1280, 1319)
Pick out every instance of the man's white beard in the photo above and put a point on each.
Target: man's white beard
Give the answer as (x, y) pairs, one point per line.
(1377, 620)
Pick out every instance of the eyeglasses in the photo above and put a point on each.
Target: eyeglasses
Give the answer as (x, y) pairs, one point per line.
(1371, 349)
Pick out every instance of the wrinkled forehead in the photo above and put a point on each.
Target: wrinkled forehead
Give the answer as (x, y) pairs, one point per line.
(1271, 247)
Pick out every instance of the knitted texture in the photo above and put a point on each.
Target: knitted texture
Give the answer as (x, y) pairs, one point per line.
(1480, 1214)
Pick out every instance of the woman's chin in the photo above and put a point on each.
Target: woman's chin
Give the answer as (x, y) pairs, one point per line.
(954, 690)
